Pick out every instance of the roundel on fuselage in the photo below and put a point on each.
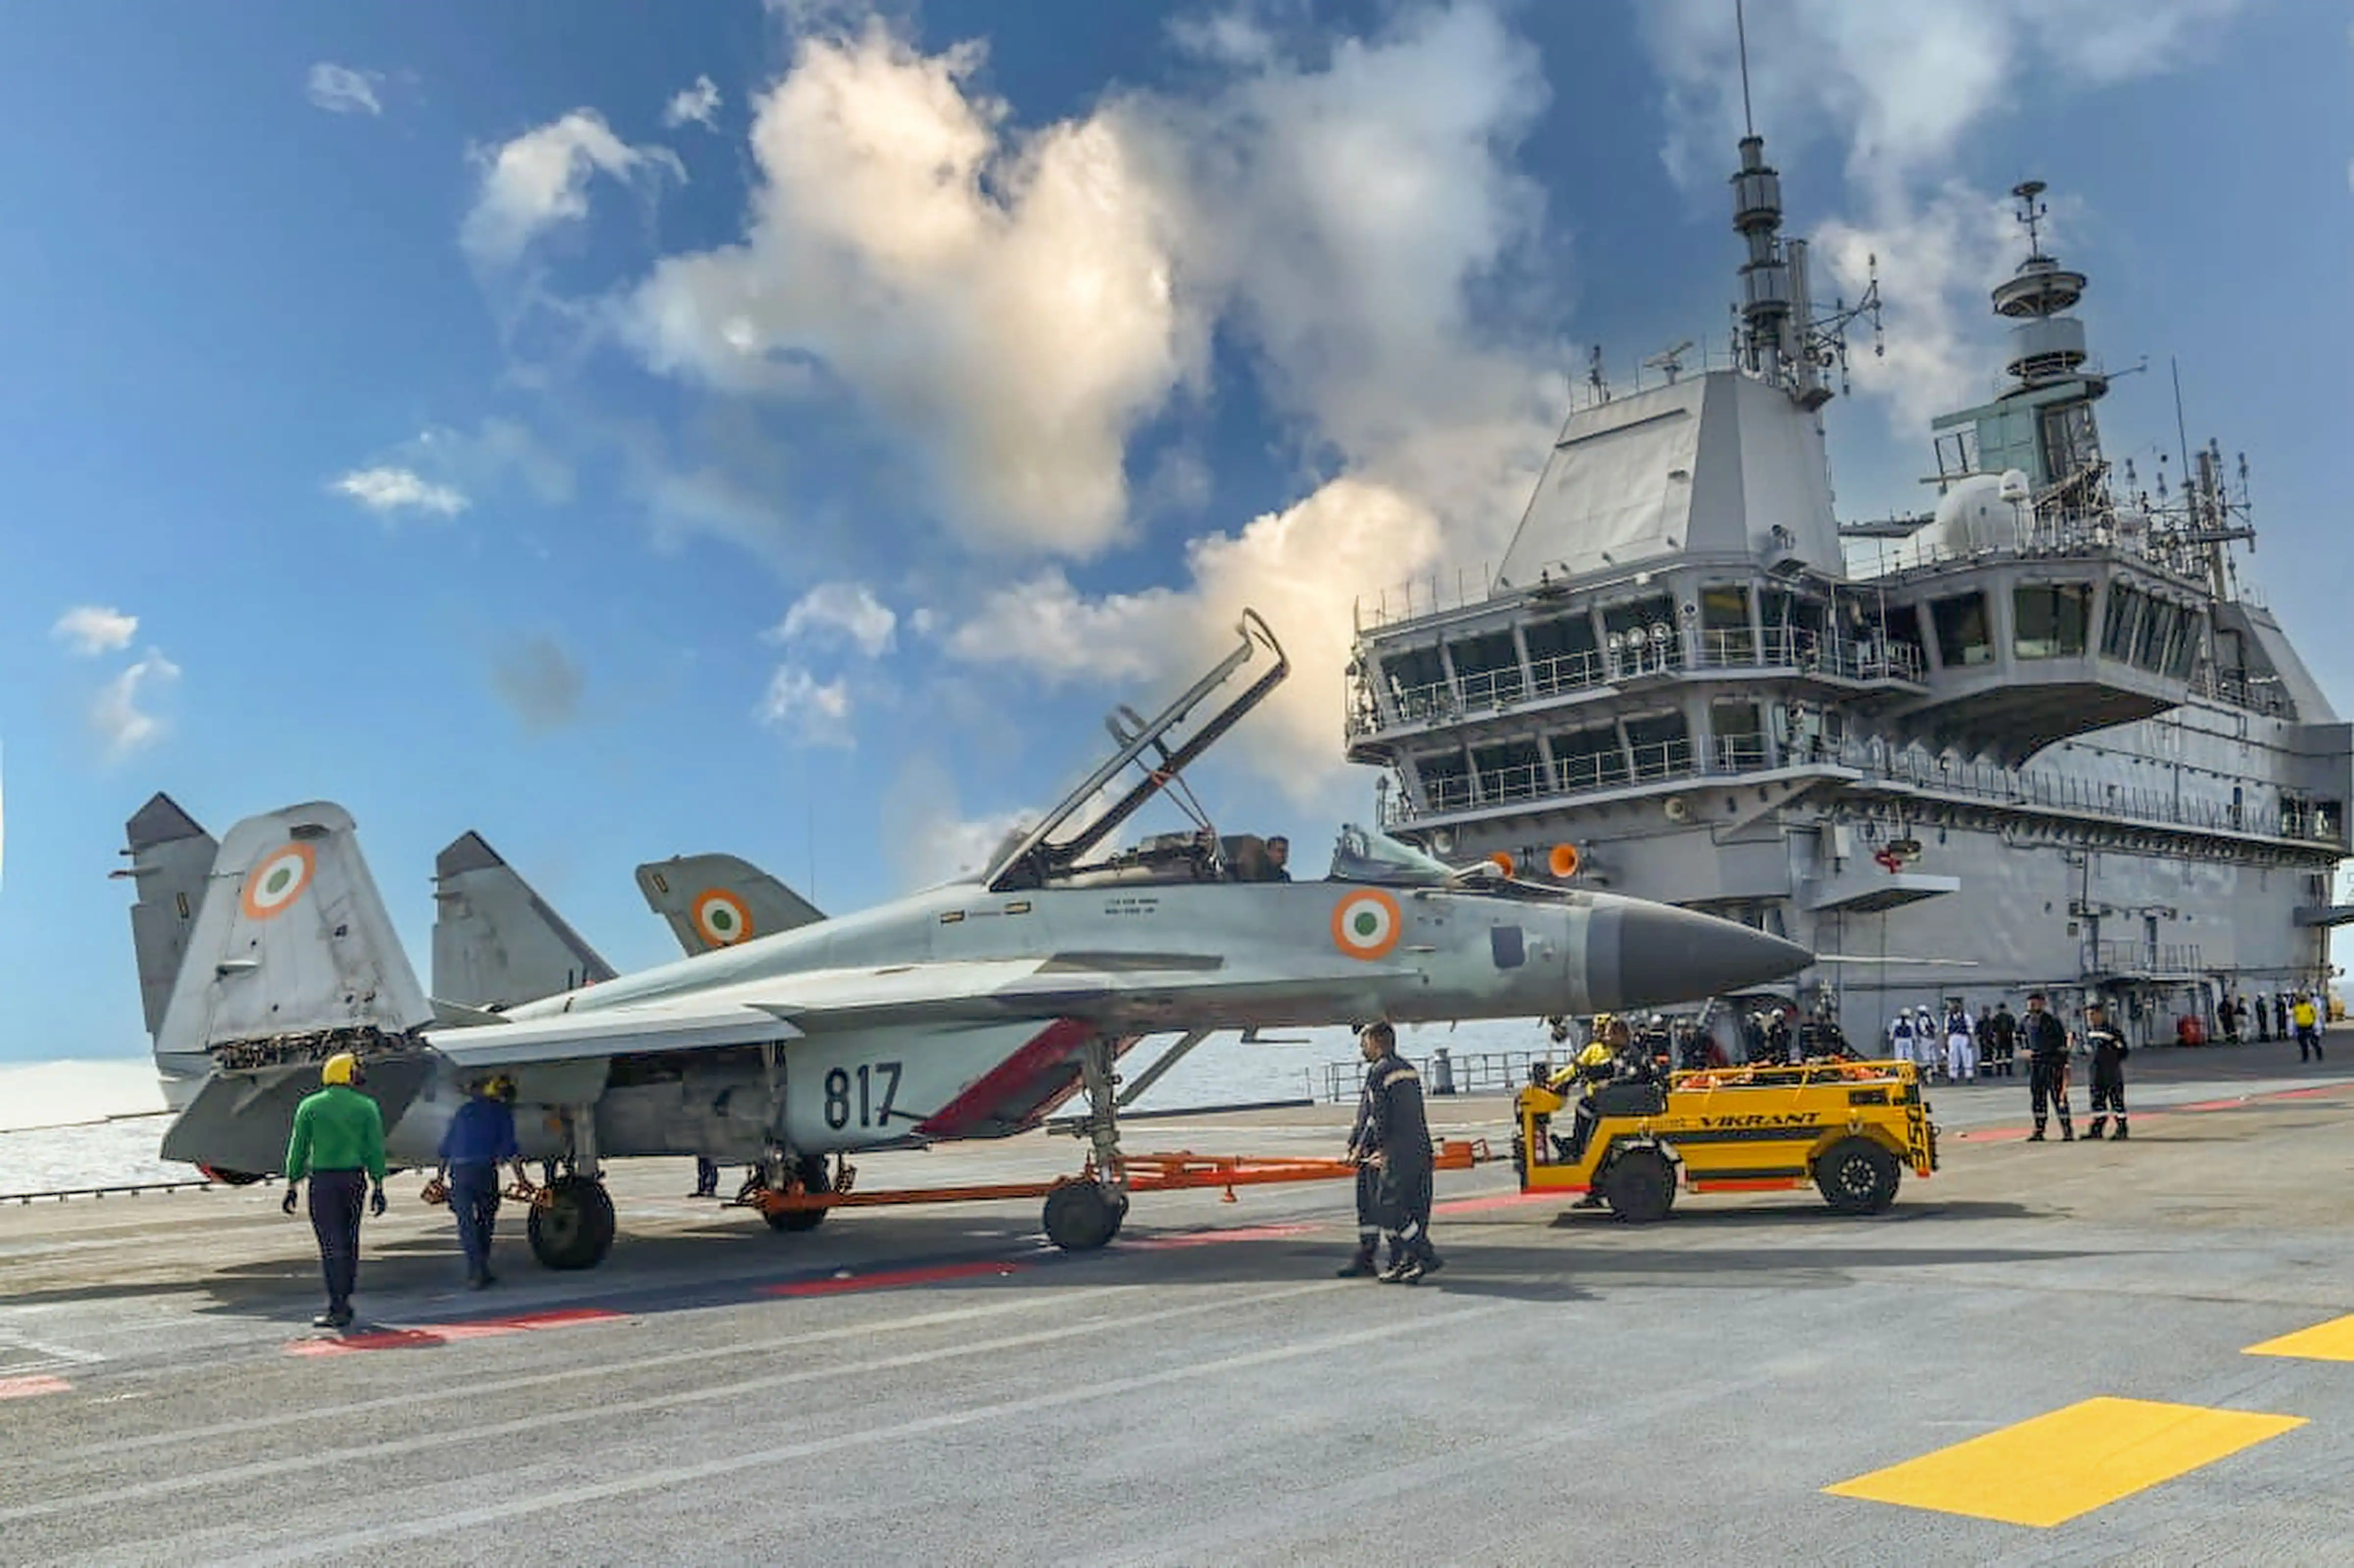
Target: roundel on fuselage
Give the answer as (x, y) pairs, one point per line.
(276, 880)
(722, 918)
(1366, 924)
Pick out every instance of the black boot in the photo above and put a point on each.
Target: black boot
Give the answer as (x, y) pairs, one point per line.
(2120, 1136)
(1360, 1266)
(2094, 1132)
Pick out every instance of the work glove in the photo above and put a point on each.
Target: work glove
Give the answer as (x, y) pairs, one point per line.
(286, 1205)
(376, 1202)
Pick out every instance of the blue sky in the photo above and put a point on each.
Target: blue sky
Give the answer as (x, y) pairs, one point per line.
(786, 429)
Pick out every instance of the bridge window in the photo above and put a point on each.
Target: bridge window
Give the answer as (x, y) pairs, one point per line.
(1512, 771)
(1963, 635)
(2158, 621)
(2121, 620)
(1445, 779)
(1660, 745)
(1725, 636)
(1487, 668)
(1416, 683)
(1589, 758)
(2049, 619)
(2182, 647)
(1740, 741)
(1564, 654)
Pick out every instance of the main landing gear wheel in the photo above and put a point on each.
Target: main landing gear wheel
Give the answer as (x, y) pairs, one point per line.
(575, 1227)
(1080, 1217)
(1857, 1176)
(815, 1177)
(1640, 1186)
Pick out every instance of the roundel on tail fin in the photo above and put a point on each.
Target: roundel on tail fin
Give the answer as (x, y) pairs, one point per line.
(722, 918)
(277, 879)
(1366, 924)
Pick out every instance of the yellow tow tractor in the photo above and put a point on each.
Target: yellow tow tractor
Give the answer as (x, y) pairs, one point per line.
(1849, 1128)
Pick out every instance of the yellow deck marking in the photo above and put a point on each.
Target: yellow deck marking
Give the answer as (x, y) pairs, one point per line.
(2049, 1470)
(2330, 1341)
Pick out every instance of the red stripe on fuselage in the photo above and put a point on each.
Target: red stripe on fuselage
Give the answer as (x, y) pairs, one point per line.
(1018, 1090)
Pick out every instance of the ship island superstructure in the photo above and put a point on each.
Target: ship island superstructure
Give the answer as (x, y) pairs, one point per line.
(2043, 734)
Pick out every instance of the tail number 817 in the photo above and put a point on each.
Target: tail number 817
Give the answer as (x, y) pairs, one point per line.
(868, 1091)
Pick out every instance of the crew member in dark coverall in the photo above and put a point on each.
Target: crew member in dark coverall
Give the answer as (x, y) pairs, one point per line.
(2109, 1051)
(338, 1142)
(1396, 1142)
(478, 1137)
(2047, 1067)
(1366, 1263)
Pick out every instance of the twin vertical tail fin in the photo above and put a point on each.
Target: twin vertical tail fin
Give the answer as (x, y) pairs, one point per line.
(291, 958)
(171, 857)
(719, 900)
(495, 942)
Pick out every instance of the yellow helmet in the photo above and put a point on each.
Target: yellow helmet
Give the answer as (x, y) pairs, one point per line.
(339, 1068)
(497, 1086)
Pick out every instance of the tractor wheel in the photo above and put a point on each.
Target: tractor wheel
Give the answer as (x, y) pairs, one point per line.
(815, 1177)
(1857, 1176)
(1079, 1218)
(575, 1229)
(1640, 1186)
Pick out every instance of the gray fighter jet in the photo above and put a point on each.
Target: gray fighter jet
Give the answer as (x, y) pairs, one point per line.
(971, 1010)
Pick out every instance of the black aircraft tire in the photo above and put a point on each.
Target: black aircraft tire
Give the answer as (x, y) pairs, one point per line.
(1640, 1186)
(229, 1178)
(1079, 1219)
(575, 1229)
(1118, 1216)
(1857, 1176)
(815, 1177)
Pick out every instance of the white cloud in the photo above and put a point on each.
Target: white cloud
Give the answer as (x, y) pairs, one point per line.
(91, 630)
(1940, 255)
(541, 179)
(697, 104)
(1901, 84)
(933, 840)
(1016, 306)
(116, 715)
(339, 89)
(819, 712)
(1008, 303)
(846, 611)
(1301, 569)
(387, 492)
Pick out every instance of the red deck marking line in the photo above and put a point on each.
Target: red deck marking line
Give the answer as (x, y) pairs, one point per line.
(1213, 1238)
(1504, 1201)
(450, 1333)
(891, 1278)
(27, 1387)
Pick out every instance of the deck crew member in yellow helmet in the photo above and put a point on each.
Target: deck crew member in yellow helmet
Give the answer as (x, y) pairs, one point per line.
(338, 1142)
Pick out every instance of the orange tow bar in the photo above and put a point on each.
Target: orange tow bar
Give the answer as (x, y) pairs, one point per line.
(1146, 1173)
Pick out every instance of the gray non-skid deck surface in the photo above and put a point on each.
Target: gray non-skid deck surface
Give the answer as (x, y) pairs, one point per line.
(1568, 1386)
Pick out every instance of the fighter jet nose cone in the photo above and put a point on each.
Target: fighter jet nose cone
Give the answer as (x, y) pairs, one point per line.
(1663, 954)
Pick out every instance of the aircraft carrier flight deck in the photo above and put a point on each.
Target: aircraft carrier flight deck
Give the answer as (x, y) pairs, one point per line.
(2079, 1353)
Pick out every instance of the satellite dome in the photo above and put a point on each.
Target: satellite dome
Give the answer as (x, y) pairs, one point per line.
(1976, 515)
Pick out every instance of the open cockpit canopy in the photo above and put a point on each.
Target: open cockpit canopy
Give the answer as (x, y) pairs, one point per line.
(1159, 750)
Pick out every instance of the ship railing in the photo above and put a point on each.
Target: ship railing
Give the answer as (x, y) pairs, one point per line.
(1740, 753)
(1491, 691)
(2062, 792)
(2257, 693)
(2151, 958)
(1445, 1072)
(1419, 596)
